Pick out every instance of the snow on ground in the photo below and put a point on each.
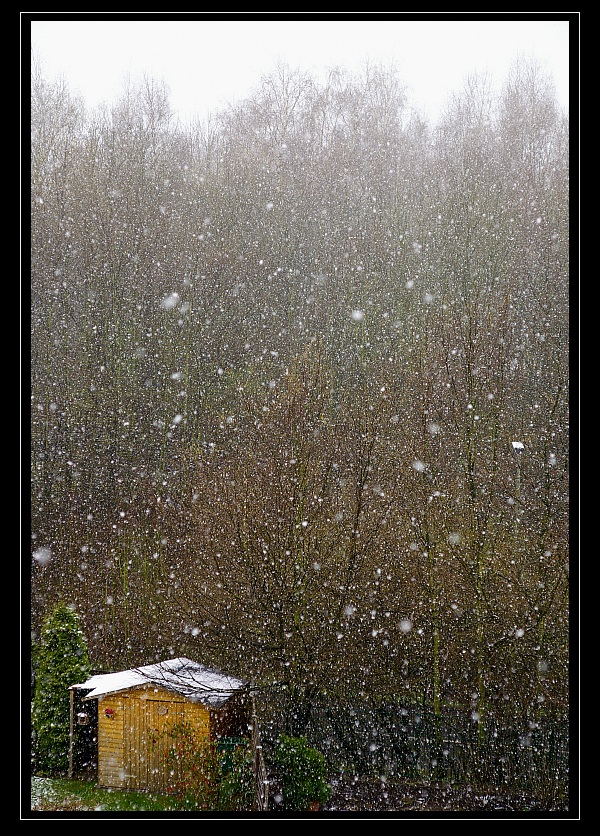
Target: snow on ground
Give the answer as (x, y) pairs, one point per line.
(42, 789)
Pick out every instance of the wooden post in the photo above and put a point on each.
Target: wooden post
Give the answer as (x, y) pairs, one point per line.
(258, 764)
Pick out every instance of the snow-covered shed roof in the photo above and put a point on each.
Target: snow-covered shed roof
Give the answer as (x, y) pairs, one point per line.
(180, 675)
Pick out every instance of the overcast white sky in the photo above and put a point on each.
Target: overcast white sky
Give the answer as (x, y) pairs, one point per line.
(210, 63)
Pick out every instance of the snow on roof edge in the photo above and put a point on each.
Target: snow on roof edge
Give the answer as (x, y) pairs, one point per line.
(180, 675)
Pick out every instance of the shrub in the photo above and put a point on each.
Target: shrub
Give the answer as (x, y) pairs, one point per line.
(62, 661)
(207, 778)
(303, 770)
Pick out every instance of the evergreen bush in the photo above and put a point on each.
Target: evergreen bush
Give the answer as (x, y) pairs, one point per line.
(62, 661)
(303, 769)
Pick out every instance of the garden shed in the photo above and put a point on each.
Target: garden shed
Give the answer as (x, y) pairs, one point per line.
(138, 707)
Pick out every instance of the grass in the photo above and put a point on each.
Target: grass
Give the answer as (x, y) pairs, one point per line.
(67, 795)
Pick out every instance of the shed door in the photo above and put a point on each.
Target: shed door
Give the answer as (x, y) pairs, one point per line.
(147, 742)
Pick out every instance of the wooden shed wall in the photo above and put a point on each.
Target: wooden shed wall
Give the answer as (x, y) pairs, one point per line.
(234, 719)
(111, 763)
(133, 746)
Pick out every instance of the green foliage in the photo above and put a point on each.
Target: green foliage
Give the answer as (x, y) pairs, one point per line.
(34, 661)
(62, 661)
(303, 771)
(63, 794)
(208, 777)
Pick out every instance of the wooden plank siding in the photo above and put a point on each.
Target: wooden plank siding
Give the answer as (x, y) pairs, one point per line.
(111, 756)
(133, 746)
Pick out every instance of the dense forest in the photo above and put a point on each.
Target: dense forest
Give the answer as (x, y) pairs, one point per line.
(279, 359)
